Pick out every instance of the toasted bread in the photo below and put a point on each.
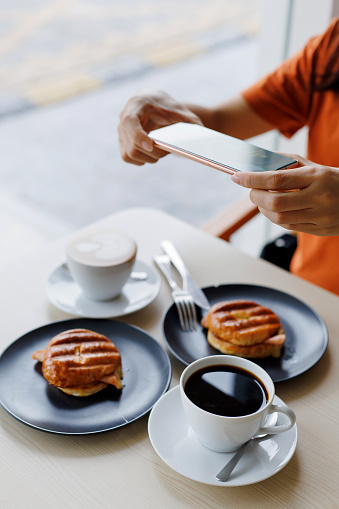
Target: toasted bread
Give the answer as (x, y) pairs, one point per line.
(84, 390)
(81, 362)
(244, 328)
(241, 322)
(270, 347)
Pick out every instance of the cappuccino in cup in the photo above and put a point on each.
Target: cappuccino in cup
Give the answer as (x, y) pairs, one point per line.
(101, 261)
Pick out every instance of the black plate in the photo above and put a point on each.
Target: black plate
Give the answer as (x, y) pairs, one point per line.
(26, 395)
(306, 333)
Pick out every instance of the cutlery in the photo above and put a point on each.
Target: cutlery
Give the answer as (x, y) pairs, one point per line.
(226, 471)
(182, 299)
(188, 283)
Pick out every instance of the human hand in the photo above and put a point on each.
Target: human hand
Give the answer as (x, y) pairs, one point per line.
(143, 113)
(310, 206)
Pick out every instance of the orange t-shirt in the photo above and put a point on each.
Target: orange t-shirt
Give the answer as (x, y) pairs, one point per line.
(285, 99)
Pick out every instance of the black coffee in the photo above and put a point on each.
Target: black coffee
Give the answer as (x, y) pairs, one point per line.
(226, 390)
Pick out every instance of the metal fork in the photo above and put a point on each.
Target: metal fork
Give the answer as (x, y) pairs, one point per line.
(182, 299)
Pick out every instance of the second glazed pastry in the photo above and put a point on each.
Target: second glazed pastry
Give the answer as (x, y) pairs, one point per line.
(244, 328)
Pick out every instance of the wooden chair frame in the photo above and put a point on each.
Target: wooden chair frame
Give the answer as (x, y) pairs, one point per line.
(229, 220)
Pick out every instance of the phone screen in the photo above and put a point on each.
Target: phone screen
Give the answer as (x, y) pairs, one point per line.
(220, 149)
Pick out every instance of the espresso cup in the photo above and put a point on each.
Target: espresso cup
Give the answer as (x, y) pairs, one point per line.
(226, 400)
(101, 262)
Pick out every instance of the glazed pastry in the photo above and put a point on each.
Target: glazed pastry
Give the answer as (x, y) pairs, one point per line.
(270, 347)
(244, 328)
(81, 362)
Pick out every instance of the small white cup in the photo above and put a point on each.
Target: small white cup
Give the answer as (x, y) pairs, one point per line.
(223, 433)
(101, 262)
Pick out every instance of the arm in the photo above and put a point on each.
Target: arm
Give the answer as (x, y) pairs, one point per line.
(153, 109)
(233, 117)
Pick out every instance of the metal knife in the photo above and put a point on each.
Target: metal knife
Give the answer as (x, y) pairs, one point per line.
(188, 283)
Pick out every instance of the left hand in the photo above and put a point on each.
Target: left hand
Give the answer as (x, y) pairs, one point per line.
(310, 206)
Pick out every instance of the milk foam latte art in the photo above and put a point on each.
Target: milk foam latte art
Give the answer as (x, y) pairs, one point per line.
(102, 248)
(101, 261)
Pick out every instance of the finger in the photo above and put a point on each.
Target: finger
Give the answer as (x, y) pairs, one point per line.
(139, 142)
(308, 228)
(138, 160)
(132, 130)
(132, 153)
(132, 161)
(301, 227)
(295, 217)
(301, 160)
(135, 156)
(296, 178)
(281, 202)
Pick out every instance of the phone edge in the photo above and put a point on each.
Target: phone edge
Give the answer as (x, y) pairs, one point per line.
(208, 162)
(194, 157)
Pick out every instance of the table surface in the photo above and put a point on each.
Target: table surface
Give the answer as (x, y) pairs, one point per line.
(120, 468)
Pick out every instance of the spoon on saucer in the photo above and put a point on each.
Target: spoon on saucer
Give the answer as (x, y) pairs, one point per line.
(226, 471)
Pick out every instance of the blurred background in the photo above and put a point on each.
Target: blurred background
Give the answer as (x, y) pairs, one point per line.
(67, 67)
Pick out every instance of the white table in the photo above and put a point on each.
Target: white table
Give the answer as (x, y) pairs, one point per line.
(120, 468)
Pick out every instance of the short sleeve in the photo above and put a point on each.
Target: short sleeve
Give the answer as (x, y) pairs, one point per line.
(284, 97)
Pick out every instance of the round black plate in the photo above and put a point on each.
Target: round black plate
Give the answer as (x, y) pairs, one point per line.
(26, 395)
(306, 333)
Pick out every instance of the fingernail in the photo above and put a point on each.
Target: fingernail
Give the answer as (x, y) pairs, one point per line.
(235, 178)
(146, 145)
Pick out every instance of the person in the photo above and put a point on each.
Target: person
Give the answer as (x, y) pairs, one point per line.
(302, 91)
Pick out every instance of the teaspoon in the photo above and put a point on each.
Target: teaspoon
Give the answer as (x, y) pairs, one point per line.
(225, 472)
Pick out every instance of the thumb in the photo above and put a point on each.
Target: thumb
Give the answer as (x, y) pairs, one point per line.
(143, 141)
(301, 160)
(280, 180)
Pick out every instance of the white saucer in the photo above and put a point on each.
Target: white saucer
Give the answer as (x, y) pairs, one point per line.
(65, 294)
(177, 445)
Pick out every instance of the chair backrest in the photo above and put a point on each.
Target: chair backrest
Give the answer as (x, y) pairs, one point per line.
(229, 220)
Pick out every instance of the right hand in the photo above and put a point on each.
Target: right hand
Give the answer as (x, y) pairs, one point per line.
(311, 205)
(143, 113)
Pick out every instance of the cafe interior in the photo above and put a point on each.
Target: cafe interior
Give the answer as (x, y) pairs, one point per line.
(121, 284)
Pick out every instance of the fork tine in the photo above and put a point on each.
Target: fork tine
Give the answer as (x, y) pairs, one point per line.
(188, 312)
(180, 303)
(191, 313)
(182, 299)
(194, 316)
(180, 313)
(185, 312)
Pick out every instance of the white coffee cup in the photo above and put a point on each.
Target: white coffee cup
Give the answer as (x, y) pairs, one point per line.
(101, 262)
(224, 433)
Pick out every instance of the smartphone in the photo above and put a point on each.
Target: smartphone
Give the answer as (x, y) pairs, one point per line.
(218, 150)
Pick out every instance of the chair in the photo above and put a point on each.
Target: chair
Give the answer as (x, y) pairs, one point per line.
(228, 221)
